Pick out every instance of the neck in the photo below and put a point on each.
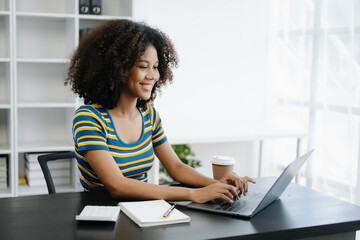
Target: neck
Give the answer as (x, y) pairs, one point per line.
(126, 107)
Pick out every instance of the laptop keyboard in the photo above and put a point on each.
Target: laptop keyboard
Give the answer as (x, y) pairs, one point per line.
(245, 203)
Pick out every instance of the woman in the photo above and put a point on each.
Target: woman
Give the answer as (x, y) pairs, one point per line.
(118, 70)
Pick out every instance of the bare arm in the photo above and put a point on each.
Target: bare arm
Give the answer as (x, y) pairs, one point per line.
(185, 174)
(121, 187)
(179, 171)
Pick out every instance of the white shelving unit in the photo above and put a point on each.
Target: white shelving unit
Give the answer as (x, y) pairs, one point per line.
(37, 39)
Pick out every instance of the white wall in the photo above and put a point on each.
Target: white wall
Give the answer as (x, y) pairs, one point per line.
(220, 83)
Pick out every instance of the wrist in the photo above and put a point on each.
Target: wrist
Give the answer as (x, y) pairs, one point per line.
(191, 194)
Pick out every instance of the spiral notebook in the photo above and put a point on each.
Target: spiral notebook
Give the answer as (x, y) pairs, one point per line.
(150, 213)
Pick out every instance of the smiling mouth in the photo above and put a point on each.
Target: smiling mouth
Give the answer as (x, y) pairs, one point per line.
(147, 86)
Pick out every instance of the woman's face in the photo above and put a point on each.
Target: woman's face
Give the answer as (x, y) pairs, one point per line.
(144, 75)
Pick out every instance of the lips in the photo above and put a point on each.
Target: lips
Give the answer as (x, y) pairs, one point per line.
(147, 86)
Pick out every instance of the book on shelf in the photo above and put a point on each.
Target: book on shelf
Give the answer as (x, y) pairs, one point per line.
(59, 164)
(40, 182)
(150, 213)
(33, 157)
(60, 171)
(33, 174)
(3, 172)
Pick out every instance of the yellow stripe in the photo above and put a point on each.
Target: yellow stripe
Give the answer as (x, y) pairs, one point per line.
(129, 170)
(156, 119)
(160, 132)
(157, 140)
(130, 148)
(132, 154)
(86, 128)
(82, 122)
(152, 116)
(88, 172)
(92, 143)
(112, 137)
(147, 109)
(147, 129)
(135, 162)
(78, 155)
(147, 122)
(91, 114)
(90, 183)
(90, 136)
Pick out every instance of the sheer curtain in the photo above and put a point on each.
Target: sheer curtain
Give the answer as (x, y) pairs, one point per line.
(314, 85)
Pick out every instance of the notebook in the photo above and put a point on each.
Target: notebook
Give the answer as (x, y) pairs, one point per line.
(254, 202)
(150, 213)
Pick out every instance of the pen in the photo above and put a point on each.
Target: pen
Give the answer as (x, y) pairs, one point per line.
(167, 213)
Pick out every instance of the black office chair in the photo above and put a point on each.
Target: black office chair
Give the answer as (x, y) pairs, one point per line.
(44, 159)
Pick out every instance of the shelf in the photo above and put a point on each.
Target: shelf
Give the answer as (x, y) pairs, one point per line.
(46, 146)
(4, 106)
(4, 13)
(44, 15)
(43, 60)
(5, 60)
(5, 149)
(100, 17)
(71, 105)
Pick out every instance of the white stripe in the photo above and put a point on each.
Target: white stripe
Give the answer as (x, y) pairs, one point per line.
(133, 153)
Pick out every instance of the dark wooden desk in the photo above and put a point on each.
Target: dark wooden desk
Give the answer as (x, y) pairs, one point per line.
(300, 214)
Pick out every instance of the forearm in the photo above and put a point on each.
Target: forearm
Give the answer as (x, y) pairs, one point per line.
(187, 175)
(133, 189)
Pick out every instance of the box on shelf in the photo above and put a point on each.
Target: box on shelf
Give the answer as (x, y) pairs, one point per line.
(90, 7)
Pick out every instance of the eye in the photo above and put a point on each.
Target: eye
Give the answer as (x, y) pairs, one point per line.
(142, 67)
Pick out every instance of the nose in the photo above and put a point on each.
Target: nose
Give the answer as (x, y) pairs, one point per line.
(152, 74)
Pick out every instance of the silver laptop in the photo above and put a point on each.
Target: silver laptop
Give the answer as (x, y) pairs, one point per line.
(254, 202)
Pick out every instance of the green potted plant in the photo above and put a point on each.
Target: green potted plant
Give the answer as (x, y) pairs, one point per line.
(183, 151)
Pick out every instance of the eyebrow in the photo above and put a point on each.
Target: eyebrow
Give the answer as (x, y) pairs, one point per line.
(146, 61)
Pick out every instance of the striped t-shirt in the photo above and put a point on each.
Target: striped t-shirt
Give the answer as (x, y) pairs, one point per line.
(93, 129)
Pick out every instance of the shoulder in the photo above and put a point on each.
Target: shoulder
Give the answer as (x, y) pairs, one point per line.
(91, 111)
(149, 112)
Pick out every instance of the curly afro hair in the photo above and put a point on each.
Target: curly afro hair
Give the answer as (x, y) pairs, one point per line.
(101, 64)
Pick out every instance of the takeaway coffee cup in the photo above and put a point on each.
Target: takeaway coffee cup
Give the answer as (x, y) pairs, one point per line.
(221, 165)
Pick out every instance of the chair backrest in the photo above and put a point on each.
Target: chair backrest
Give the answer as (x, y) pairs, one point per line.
(43, 161)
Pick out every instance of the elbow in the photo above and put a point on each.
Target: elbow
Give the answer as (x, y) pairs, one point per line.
(115, 189)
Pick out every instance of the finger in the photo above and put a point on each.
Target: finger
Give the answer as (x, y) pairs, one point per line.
(250, 179)
(229, 190)
(233, 191)
(226, 198)
(245, 182)
(229, 195)
(238, 185)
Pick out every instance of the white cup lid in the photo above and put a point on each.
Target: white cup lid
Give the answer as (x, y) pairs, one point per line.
(223, 160)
